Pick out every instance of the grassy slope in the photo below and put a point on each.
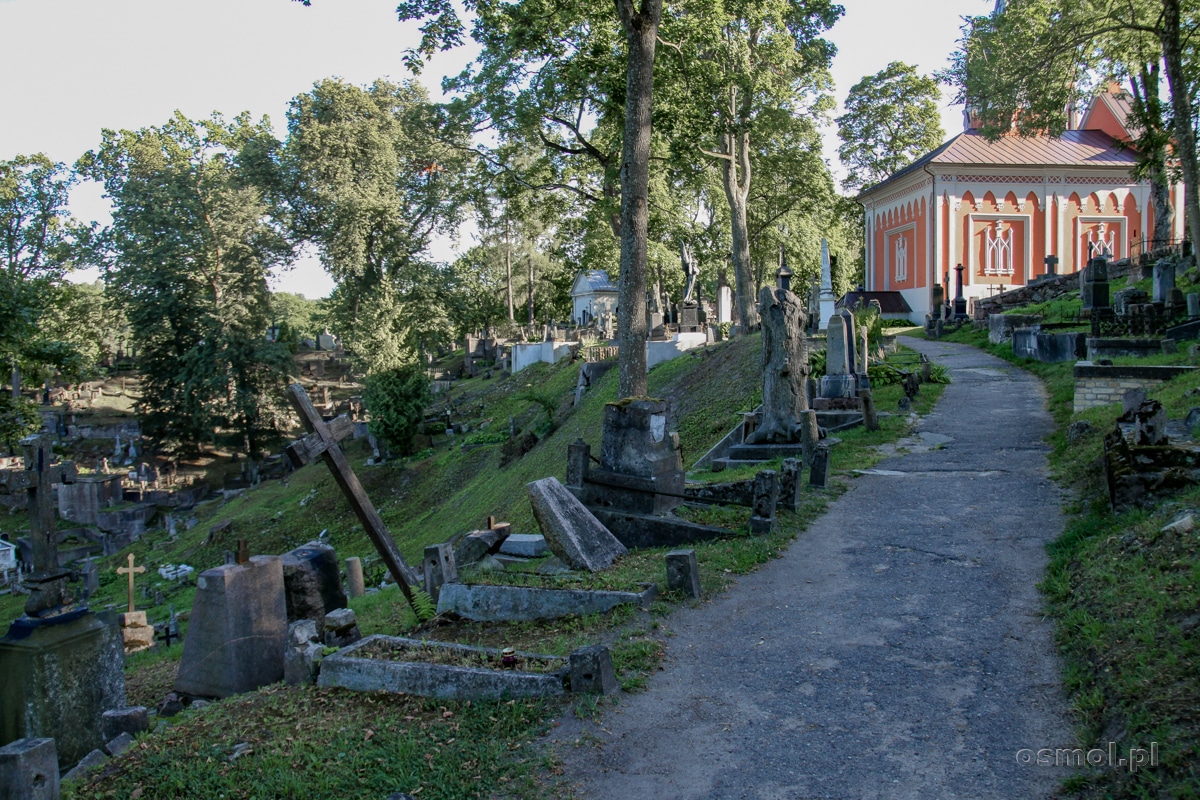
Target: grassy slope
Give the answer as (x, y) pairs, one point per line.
(342, 744)
(1126, 598)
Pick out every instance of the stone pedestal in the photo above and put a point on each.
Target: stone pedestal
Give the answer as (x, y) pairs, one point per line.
(638, 459)
(238, 630)
(136, 633)
(58, 679)
(29, 770)
(690, 318)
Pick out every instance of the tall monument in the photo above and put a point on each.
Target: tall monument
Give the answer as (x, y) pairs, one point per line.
(827, 298)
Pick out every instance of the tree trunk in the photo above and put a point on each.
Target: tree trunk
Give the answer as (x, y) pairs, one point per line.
(640, 23)
(508, 270)
(1181, 104)
(530, 260)
(736, 180)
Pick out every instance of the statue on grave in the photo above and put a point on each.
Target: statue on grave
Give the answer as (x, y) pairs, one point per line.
(785, 367)
(690, 272)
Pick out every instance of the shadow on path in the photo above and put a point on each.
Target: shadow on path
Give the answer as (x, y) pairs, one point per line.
(896, 649)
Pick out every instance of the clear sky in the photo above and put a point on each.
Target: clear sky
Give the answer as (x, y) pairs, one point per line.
(69, 68)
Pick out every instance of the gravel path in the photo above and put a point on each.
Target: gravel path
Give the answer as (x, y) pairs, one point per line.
(896, 650)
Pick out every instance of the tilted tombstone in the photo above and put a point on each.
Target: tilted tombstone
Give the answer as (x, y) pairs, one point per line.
(1164, 280)
(312, 582)
(572, 532)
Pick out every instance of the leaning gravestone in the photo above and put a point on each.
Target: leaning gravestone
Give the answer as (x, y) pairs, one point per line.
(238, 630)
(784, 367)
(572, 532)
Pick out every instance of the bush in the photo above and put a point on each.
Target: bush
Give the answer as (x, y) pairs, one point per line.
(396, 399)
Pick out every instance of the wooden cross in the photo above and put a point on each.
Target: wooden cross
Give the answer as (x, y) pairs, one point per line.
(322, 443)
(131, 570)
(37, 480)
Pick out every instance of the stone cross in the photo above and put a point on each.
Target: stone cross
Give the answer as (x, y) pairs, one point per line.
(48, 584)
(322, 442)
(131, 570)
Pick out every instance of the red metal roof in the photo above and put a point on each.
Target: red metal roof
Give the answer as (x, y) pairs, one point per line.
(1072, 149)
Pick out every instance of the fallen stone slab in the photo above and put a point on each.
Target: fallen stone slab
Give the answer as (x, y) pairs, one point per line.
(490, 603)
(526, 545)
(572, 532)
(352, 669)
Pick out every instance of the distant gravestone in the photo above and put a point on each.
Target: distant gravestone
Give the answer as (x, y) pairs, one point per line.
(355, 585)
(238, 630)
(1164, 280)
(819, 474)
(572, 532)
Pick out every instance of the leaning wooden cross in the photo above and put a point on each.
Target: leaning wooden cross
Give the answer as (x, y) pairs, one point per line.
(322, 443)
(131, 570)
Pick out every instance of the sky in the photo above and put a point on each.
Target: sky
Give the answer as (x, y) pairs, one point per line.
(69, 68)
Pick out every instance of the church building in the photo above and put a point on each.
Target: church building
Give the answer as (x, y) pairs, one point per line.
(1011, 210)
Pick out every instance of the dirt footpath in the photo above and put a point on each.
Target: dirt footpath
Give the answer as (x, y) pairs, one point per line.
(896, 650)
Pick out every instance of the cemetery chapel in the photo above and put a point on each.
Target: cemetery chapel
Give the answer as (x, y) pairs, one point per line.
(1012, 210)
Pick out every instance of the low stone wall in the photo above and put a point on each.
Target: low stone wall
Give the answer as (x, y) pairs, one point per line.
(1097, 385)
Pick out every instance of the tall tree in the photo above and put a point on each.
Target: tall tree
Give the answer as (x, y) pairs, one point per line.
(38, 246)
(891, 120)
(370, 179)
(744, 69)
(553, 62)
(1072, 44)
(188, 255)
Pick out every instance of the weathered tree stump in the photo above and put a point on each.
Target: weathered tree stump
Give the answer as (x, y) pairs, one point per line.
(785, 367)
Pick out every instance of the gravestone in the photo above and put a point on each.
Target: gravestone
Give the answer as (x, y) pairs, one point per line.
(59, 677)
(1163, 281)
(572, 532)
(837, 381)
(49, 593)
(764, 496)
(683, 573)
(1193, 304)
(785, 367)
(864, 353)
(1093, 284)
(789, 483)
(851, 341)
(29, 770)
(136, 633)
(312, 583)
(238, 630)
(819, 473)
(438, 567)
(592, 671)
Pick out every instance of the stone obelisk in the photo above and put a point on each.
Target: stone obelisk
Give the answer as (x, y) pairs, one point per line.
(827, 298)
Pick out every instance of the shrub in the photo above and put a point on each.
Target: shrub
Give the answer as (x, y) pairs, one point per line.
(396, 399)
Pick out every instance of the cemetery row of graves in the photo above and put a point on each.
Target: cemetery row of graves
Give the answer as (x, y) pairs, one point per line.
(313, 562)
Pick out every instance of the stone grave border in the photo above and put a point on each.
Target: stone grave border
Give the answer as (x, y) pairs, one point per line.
(349, 671)
(486, 602)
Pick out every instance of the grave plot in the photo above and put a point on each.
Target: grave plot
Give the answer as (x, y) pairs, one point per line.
(443, 670)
